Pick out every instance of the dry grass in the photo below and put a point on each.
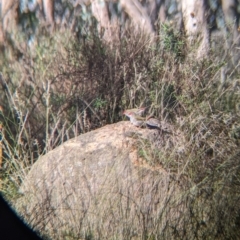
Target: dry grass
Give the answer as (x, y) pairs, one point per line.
(68, 86)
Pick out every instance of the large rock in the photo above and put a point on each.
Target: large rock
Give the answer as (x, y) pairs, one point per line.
(96, 185)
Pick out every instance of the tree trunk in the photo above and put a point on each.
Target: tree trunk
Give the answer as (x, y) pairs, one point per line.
(195, 24)
(229, 8)
(138, 15)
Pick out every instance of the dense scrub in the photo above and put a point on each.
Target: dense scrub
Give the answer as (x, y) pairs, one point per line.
(66, 85)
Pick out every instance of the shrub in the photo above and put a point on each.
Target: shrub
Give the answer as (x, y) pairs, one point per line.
(68, 86)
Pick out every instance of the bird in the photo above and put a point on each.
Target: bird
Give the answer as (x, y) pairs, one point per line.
(138, 111)
(153, 122)
(135, 119)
